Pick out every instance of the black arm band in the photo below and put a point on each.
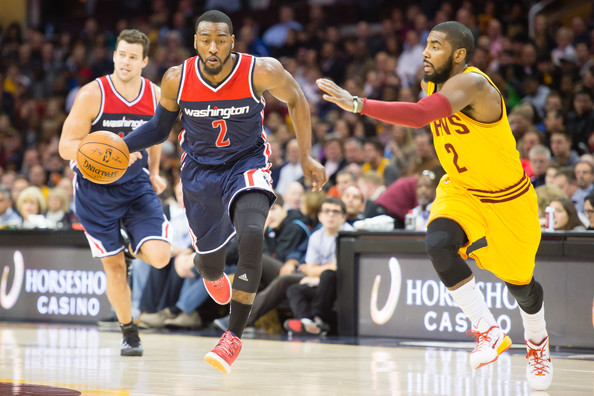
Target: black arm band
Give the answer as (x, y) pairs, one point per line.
(155, 131)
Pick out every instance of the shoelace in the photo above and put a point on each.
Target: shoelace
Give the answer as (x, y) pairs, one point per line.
(483, 339)
(228, 344)
(539, 362)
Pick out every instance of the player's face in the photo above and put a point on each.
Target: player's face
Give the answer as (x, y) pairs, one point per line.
(438, 58)
(213, 43)
(128, 61)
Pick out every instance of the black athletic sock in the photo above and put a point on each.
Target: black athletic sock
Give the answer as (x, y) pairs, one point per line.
(238, 317)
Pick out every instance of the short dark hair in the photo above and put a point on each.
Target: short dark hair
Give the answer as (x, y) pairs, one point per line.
(458, 35)
(133, 36)
(334, 201)
(216, 17)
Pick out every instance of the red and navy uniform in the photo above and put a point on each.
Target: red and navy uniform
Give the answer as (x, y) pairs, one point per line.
(121, 117)
(131, 199)
(225, 148)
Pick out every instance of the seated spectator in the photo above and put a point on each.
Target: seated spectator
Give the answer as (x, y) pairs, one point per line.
(566, 181)
(333, 160)
(372, 186)
(312, 200)
(31, 205)
(545, 194)
(565, 216)
(353, 151)
(540, 159)
(58, 209)
(589, 210)
(584, 175)
(398, 199)
(373, 153)
(425, 157)
(552, 170)
(344, 179)
(580, 121)
(312, 299)
(354, 204)
(293, 196)
(426, 188)
(401, 148)
(561, 149)
(530, 139)
(9, 218)
(291, 170)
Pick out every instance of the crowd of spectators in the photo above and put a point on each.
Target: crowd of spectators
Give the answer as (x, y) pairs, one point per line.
(381, 172)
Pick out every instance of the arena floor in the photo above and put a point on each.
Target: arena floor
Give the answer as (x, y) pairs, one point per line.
(69, 360)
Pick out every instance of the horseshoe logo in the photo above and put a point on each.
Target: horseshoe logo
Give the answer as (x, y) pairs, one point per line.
(7, 300)
(381, 316)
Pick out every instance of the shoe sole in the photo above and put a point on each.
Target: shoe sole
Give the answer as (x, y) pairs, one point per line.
(211, 296)
(507, 342)
(217, 362)
(131, 353)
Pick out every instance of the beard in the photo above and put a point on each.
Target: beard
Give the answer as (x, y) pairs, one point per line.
(440, 76)
(213, 71)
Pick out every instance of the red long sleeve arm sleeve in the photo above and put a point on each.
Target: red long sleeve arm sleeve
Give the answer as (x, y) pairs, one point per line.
(416, 115)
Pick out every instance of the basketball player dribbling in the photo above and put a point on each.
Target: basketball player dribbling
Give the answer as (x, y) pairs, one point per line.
(485, 207)
(118, 103)
(225, 171)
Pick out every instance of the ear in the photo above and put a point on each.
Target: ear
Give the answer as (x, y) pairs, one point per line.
(460, 55)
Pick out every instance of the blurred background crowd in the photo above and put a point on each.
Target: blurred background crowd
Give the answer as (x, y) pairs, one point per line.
(386, 175)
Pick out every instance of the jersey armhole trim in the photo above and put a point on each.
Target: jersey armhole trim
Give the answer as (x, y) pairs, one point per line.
(102, 106)
(182, 80)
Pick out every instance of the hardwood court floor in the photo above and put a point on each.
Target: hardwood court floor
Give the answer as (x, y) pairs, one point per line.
(86, 360)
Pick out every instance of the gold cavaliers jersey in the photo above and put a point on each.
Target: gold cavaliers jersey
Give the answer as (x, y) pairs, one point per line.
(482, 158)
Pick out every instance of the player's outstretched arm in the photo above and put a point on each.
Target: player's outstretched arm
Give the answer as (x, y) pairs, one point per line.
(157, 129)
(269, 75)
(457, 93)
(78, 123)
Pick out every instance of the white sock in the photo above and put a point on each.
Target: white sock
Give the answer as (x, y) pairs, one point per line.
(535, 327)
(473, 304)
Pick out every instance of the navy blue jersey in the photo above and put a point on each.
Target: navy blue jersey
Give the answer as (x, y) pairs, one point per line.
(120, 116)
(223, 123)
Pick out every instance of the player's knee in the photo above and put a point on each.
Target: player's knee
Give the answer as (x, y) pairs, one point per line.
(115, 268)
(529, 297)
(160, 260)
(252, 235)
(441, 250)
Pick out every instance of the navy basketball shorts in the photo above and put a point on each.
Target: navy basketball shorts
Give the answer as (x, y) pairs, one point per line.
(209, 194)
(101, 207)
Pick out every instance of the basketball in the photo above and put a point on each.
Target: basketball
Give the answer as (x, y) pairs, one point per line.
(102, 157)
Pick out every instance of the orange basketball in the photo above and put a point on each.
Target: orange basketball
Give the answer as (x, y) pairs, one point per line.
(102, 157)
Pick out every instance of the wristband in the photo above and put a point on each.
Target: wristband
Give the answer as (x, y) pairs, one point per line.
(356, 104)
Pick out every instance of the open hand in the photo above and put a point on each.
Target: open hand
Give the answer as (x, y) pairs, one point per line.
(339, 96)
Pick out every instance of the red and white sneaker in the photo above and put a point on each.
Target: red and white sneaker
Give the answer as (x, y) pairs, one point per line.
(219, 290)
(491, 342)
(225, 353)
(540, 368)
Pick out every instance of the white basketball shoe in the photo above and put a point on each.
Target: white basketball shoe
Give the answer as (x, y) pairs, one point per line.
(540, 368)
(491, 342)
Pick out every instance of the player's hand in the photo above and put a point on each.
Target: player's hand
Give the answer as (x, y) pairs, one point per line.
(339, 96)
(159, 184)
(314, 171)
(133, 157)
